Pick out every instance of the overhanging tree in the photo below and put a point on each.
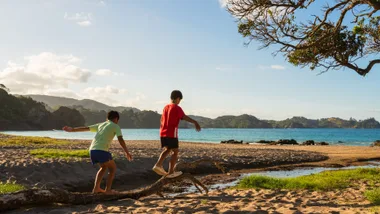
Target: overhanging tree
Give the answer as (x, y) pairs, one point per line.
(2, 86)
(344, 34)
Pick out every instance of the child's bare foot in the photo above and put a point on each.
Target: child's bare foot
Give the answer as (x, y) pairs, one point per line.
(174, 174)
(99, 190)
(159, 170)
(111, 192)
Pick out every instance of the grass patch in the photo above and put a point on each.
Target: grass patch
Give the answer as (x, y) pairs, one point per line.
(59, 153)
(374, 209)
(328, 180)
(7, 188)
(204, 201)
(373, 196)
(30, 141)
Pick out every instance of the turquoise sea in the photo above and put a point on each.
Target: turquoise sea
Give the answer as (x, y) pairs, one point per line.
(359, 137)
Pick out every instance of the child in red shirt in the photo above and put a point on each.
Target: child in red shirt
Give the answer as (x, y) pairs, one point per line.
(170, 119)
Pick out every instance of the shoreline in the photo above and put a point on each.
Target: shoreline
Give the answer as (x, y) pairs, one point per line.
(350, 137)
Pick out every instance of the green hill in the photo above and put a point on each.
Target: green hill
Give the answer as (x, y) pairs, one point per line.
(55, 102)
(332, 122)
(242, 121)
(24, 113)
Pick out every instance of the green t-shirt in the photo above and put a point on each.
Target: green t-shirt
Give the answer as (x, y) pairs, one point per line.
(105, 132)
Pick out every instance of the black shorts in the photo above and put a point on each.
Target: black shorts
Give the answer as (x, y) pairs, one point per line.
(100, 156)
(171, 143)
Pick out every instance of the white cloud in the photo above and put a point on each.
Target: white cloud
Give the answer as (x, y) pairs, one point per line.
(62, 92)
(107, 72)
(223, 3)
(104, 72)
(55, 75)
(227, 68)
(271, 67)
(102, 3)
(161, 102)
(84, 23)
(220, 68)
(138, 98)
(82, 19)
(43, 72)
(278, 67)
(104, 90)
(109, 95)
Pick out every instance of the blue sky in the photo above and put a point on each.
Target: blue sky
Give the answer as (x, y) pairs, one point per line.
(134, 52)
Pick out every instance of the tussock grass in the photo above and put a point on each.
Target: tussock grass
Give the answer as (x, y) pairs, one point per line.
(10, 140)
(328, 180)
(373, 196)
(375, 209)
(8, 188)
(59, 153)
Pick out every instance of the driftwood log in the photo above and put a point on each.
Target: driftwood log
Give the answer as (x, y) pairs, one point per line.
(35, 197)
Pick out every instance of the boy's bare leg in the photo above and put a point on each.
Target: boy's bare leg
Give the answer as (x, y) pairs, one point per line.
(163, 155)
(99, 178)
(173, 161)
(111, 175)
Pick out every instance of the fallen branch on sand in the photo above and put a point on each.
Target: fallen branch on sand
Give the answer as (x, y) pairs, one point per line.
(34, 197)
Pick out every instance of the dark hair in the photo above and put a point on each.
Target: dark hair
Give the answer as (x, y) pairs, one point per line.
(176, 94)
(112, 115)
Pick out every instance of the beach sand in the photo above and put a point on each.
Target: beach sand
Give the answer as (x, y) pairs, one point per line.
(246, 201)
(78, 174)
(350, 200)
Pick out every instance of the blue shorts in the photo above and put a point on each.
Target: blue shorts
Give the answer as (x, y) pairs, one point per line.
(100, 156)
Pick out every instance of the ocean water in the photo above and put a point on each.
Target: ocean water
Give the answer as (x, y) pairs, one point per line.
(357, 137)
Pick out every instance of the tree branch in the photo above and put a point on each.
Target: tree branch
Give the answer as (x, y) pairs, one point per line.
(362, 71)
(315, 42)
(34, 197)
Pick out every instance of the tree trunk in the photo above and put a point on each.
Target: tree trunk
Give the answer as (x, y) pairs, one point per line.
(374, 3)
(35, 197)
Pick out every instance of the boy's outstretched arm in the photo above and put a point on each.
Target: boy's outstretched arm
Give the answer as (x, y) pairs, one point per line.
(188, 119)
(77, 129)
(122, 144)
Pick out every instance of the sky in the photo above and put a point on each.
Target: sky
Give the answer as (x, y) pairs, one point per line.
(135, 52)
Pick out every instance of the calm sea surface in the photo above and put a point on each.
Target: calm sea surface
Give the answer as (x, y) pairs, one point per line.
(360, 137)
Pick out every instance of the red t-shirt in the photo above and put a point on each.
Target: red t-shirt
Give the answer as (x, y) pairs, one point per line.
(170, 118)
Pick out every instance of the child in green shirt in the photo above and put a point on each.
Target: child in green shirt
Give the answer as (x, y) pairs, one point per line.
(99, 149)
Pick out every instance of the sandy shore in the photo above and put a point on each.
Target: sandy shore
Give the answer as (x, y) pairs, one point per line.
(338, 156)
(77, 174)
(229, 201)
(17, 164)
(246, 201)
